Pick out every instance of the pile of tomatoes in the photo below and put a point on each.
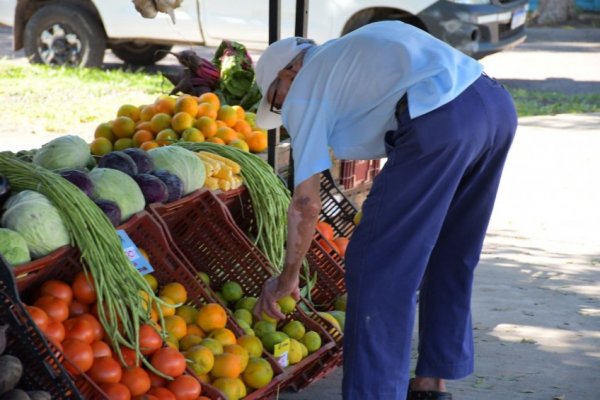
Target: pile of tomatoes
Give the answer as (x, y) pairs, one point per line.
(67, 315)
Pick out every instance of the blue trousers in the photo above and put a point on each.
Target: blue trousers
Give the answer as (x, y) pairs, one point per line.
(423, 227)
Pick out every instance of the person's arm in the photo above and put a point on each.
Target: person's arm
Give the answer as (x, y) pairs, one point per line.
(302, 218)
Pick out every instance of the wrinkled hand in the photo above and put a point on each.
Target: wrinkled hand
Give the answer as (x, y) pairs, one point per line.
(274, 289)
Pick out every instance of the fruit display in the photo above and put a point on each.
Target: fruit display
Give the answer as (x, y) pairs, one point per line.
(329, 242)
(186, 118)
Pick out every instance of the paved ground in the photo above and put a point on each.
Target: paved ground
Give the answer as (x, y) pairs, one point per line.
(536, 305)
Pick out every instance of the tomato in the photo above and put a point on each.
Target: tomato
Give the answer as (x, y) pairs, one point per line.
(147, 397)
(162, 393)
(96, 326)
(168, 361)
(79, 328)
(55, 331)
(39, 317)
(129, 356)
(156, 381)
(150, 340)
(79, 354)
(57, 289)
(76, 308)
(136, 380)
(116, 391)
(185, 387)
(56, 309)
(101, 349)
(105, 370)
(83, 288)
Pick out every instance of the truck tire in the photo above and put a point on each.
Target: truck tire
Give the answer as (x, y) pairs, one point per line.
(140, 54)
(64, 35)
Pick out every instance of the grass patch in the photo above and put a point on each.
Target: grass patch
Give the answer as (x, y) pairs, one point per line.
(59, 99)
(551, 103)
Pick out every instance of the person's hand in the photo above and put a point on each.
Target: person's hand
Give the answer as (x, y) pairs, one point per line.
(274, 289)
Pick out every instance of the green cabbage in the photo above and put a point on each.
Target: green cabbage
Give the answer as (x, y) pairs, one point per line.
(34, 217)
(114, 185)
(185, 164)
(63, 152)
(13, 247)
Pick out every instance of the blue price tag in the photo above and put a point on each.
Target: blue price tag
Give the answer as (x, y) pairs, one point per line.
(133, 253)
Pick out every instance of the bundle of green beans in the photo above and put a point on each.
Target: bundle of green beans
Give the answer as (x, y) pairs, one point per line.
(118, 284)
(270, 198)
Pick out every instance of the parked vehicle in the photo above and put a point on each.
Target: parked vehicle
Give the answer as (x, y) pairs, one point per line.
(77, 32)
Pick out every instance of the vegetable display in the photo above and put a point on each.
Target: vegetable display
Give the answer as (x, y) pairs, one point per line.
(118, 283)
(68, 151)
(114, 185)
(13, 247)
(182, 163)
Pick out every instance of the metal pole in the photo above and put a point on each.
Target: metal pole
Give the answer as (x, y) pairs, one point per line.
(274, 32)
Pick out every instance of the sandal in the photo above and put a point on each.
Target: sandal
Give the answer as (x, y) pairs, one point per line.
(427, 394)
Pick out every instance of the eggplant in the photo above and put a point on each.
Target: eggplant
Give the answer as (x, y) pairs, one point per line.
(4, 189)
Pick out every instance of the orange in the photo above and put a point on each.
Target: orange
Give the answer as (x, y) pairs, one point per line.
(142, 136)
(104, 130)
(166, 137)
(228, 115)
(149, 145)
(258, 373)
(214, 345)
(211, 98)
(221, 124)
(165, 104)
(167, 309)
(176, 326)
(252, 344)
(215, 140)
(227, 365)
(211, 316)
(123, 143)
(223, 336)
(226, 134)
(194, 329)
(207, 110)
(328, 246)
(175, 291)
(233, 389)
(189, 341)
(159, 122)
(187, 312)
(143, 126)
(326, 230)
(147, 112)
(187, 104)
(239, 110)
(242, 127)
(207, 126)
(101, 146)
(123, 127)
(240, 144)
(181, 121)
(342, 244)
(240, 351)
(201, 359)
(192, 135)
(257, 142)
(129, 110)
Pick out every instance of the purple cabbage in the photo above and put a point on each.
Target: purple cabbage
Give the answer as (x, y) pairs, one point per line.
(80, 179)
(120, 161)
(174, 184)
(111, 210)
(154, 189)
(141, 159)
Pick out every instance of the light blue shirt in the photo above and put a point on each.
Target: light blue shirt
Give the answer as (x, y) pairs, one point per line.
(345, 95)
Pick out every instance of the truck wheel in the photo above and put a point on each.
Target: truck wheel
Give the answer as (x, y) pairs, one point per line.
(140, 54)
(64, 35)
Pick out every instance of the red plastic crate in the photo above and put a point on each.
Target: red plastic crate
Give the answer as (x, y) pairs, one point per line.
(43, 363)
(356, 172)
(336, 209)
(208, 237)
(146, 233)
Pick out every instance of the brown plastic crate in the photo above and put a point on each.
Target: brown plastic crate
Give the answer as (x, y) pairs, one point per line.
(43, 368)
(207, 236)
(146, 233)
(336, 209)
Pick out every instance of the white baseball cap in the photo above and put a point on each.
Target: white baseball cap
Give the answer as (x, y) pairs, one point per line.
(275, 58)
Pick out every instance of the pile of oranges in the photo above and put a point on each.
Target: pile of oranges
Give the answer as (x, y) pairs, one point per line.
(185, 117)
(329, 241)
(67, 315)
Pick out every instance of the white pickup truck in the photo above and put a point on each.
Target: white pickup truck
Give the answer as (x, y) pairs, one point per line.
(77, 32)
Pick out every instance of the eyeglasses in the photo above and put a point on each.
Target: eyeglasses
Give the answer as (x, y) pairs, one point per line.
(276, 108)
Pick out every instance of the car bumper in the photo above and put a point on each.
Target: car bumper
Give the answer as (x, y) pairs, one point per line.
(478, 30)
